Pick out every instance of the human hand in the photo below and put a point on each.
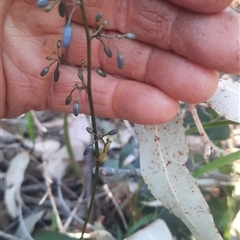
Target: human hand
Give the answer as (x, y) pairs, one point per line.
(175, 57)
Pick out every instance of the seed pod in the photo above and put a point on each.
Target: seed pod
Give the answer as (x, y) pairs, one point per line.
(130, 36)
(56, 75)
(98, 17)
(61, 9)
(101, 72)
(89, 130)
(67, 35)
(87, 150)
(68, 100)
(108, 51)
(42, 3)
(59, 43)
(44, 71)
(112, 132)
(80, 75)
(76, 108)
(120, 61)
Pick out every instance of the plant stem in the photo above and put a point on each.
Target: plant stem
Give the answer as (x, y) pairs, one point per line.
(69, 148)
(93, 118)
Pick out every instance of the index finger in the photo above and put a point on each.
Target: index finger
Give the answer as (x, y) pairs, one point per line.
(211, 40)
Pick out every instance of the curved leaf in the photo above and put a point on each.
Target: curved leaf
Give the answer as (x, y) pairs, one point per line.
(226, 101)
(163, 154)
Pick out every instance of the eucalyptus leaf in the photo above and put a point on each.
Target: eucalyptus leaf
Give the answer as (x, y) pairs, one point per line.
(226, 100)
(163, 155)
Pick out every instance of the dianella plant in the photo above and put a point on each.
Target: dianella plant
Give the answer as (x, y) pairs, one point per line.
(66, 9)
(163, 148)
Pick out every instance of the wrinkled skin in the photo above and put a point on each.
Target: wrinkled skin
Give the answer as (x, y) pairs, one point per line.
(180, 47)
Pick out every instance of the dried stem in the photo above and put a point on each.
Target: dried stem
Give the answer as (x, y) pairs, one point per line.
(201, 131)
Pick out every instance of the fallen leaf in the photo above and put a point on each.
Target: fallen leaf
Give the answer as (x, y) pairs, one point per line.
(157, 230)
(29, 224)
(163, 155)
(13, 179)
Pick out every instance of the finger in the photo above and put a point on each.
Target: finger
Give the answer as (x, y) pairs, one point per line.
(114, 98)
(209, 40)
(204, 6)
(178, 77)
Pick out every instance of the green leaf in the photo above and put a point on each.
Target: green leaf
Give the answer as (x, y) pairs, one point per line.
(47, 234)
(140, 223)
(217, 163)
(210, 125)
(30, 126)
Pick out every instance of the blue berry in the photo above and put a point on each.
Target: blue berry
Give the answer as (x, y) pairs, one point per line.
(42, 3)
(67, 35)
(76, 109)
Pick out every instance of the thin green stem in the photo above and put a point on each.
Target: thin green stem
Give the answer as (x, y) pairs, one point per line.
(93, 118)
(69, 148)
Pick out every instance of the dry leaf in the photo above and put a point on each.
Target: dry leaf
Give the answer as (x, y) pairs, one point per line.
(157, 230)
(163, 154)
(14, 178)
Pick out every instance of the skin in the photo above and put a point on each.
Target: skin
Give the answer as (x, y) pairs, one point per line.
(180, 47)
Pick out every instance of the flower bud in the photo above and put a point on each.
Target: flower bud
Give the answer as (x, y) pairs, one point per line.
(89, 130)
(98, 17)
(68, 100)
(112, 132)
(48, 8)
(108, 51)
(61, 9)
(44, 71)
(87, 150)
(101, 72)
(120, 61)
(59, 43)
(56, 75)
(105, 23)
(80, 75)
(130, 36)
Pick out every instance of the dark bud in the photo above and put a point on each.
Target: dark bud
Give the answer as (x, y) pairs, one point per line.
(44, 71)
(101, 72)
(89, 130)
(80, 75)
(87, 150)
(112, 132)
(98, 17)
(68, 100)
(130, 36)
(59, 43)
(108, 51)
(76, 108)
(56, 75)
(67, 35)
(42, 3)
(49, 58)
(61, 9)
(120, 61)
